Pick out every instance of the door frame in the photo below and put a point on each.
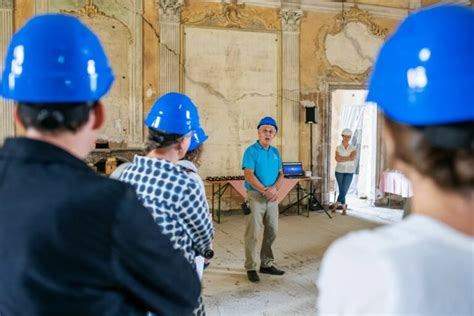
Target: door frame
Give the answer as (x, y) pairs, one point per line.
(327, 155)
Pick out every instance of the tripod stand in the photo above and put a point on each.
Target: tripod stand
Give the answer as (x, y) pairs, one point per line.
(313, 202)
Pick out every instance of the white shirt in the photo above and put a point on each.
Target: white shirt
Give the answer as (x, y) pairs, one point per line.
(417, 267)
(346, 166)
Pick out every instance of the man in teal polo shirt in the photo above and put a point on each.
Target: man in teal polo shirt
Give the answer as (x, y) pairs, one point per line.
(263, 177)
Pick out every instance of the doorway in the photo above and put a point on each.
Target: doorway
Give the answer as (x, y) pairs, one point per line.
(349, 110)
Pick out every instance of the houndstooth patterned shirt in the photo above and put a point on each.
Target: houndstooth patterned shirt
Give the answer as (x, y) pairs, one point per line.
(175, 201)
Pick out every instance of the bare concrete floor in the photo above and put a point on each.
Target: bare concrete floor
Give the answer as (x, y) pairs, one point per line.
(298, 250)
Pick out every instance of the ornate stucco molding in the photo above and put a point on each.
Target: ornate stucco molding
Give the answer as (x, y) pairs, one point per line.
(170, 10)
(133, 27)
(231, 15)
(355, 14)
(91, 10)
(6, 4)
(341, 20)
(290, 20)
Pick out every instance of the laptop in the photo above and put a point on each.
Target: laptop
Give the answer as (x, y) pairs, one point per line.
(293, 170)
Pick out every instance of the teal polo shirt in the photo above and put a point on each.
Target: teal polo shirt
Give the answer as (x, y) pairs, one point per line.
(265, 164)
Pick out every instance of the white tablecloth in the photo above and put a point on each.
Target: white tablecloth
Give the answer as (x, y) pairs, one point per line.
(395, 183)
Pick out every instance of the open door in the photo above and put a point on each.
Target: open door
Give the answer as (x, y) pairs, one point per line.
(348, 110)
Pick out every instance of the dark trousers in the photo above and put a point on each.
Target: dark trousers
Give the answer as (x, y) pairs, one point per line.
(343, 182)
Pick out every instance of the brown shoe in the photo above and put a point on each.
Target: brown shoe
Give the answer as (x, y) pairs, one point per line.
(334, 207)
(344, 209)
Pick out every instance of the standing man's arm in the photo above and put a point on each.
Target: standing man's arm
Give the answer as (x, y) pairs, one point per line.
(273, 190)
(253, 181)
(248, 164)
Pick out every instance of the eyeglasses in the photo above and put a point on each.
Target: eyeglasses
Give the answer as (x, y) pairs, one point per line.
(267, 131)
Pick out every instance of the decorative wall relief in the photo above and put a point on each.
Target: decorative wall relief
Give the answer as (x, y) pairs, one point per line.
(169, 10)
(91, 10)
(231, 15)
(290, 20)
(119, 26)
(170, 47)
(290, 24)
(6, 4)
(349, 46)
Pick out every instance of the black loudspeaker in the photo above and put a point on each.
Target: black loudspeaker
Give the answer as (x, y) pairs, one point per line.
(311, 114)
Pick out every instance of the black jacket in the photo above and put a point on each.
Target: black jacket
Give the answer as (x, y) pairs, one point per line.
(76, 243)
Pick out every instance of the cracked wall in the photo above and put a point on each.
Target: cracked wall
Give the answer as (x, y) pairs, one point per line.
(234, 82)
(151, 54)
(353, 49)
(119, 25)
(316, 82)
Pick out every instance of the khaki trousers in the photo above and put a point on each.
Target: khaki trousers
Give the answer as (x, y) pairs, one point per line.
(264, 215)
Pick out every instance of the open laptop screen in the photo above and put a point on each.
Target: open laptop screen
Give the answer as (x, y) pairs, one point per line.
(293, 169)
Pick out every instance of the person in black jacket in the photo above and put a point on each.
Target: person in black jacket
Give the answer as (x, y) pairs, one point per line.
(73, 242)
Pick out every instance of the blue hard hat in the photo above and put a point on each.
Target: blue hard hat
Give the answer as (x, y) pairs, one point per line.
(173, 113)
(195, 121)
(55, 58)
(268, 121)
(199, 137)
(424, 74)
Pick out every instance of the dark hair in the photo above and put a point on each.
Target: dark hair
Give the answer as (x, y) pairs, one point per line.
(159, 139)
(195, 155)
(55, 117)
(451, 167)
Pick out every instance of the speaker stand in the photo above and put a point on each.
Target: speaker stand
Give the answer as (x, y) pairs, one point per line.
(311, 195)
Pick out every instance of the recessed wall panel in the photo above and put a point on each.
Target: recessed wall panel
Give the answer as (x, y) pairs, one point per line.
(233, 76)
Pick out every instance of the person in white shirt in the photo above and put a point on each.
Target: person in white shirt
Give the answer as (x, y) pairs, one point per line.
(345, 156)
(424, 265)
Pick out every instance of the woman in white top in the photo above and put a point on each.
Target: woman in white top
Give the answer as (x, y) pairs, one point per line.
(423, 265)
(345, 156)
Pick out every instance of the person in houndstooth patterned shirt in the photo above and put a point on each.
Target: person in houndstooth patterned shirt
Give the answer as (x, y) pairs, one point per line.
(175, 200)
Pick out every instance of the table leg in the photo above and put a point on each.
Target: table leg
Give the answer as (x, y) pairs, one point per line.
(310, 197)
(212, 203)
(219, 205)
(298, 197)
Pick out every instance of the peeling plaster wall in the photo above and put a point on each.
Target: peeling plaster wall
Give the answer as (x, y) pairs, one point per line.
(232, 70)
(314, 80)
(119, 26)
(315, 84)
(22, 11)
(151, 54)
(234, 82)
